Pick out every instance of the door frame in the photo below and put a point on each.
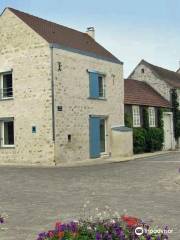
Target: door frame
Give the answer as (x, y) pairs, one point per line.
(105, 117)
(170, 115)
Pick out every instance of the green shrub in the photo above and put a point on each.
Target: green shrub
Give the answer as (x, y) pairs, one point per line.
(148, 140)
(145, 118)
(128, 120)
(154, 139)
(139, 140)
(176, 114)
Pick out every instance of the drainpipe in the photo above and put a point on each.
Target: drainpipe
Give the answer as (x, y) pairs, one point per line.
(53, 92)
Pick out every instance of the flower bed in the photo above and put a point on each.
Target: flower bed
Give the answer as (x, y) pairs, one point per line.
(124, 228)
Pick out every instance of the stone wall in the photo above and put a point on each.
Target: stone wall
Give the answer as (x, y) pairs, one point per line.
(149, 77)
(72, 93)
(24, 51)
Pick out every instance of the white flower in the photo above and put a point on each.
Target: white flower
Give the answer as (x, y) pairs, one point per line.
(112, 221)
(75, 221)
(91, 218)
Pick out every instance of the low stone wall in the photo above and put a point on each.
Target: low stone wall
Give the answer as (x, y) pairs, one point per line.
(122, 142)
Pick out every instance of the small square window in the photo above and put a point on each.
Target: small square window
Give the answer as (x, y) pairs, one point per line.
(59, 108)
(6, 85)
(69, 137)
(33, 129)
(142, 70)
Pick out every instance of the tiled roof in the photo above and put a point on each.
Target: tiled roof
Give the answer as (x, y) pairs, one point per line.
(140, 93)
(170, 77)
(57, 34)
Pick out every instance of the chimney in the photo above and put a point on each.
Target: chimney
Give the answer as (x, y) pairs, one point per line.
(91, 32)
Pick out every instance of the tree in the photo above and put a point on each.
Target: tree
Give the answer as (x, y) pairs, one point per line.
(176, 114)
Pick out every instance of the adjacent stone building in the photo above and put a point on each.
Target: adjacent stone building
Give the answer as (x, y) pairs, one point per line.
(138, 96)
(162, 80)
(62, 93)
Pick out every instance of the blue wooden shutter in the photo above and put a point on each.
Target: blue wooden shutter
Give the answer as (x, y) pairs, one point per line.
(93, 85)
(94, 128)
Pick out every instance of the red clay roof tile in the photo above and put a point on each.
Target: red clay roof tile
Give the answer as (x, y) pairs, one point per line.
(57, 34)
(140, 93)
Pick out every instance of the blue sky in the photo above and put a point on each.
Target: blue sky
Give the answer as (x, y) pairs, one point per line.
(130, 29)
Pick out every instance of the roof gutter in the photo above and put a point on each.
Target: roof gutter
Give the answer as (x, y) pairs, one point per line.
(53, 92)
(86, 53)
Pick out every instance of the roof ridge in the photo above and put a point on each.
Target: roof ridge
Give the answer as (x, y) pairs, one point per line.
(63, 36)
(34, 16)
(158, 66)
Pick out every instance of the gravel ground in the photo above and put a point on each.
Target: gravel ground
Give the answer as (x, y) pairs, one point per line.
(34, 198)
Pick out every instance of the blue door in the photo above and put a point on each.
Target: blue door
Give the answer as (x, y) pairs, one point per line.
(94, 128)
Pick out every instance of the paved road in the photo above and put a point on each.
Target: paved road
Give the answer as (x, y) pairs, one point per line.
(34, 198)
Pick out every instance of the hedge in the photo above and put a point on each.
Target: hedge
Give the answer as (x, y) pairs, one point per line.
(139, 140)
(148, 140)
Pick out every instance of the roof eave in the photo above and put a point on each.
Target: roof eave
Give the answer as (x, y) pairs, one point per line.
(89, 54)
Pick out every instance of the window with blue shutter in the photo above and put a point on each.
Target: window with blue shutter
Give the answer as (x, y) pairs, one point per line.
(96, 85)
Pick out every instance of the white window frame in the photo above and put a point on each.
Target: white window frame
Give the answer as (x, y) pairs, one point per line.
(2, 87)
(136, 116)
(152, 116)
(3, 145)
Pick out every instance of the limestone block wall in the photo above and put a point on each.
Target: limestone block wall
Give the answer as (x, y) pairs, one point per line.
(122, 142)
(149, 77)
(72, 93)
(28, 55)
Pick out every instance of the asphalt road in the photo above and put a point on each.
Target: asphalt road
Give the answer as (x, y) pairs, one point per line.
(35, 198)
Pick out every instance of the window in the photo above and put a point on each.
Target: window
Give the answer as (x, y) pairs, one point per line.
(6, 85)
(142, 70)
(152, 117)
(96, 85)
(101, 86)
(7, 133)
(136, 116)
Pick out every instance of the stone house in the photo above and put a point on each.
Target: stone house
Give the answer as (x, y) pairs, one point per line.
(161, 79)
(61, 93)
(139, 95)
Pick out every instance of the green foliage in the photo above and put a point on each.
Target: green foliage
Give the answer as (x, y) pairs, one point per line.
(160, 118)
(128, 120)
(154, 139)
(176, 113)
(148, 139)
(139, 140)
(145, 118)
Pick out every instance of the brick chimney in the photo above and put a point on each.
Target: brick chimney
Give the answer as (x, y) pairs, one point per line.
(91, 32)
